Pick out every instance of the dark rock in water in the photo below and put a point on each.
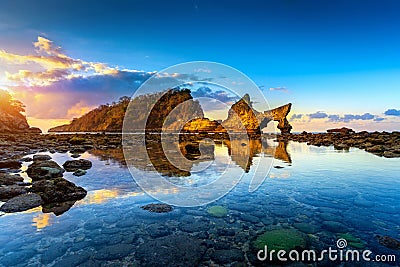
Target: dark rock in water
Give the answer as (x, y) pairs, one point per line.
(7, 192)
(58, 190)
(22, 203)
(75, 156)
(74, 165)
(10, 164)
(58, 208)
(278, 167)
(172, 250)
(48, 169)
(158, 208)
(227, 256)
(114, 252)
(342, 130)
(335, 227)
(9, 179)
(41, 157)
(157, 230)
(388, 242)
(27, 159)
(79, 172)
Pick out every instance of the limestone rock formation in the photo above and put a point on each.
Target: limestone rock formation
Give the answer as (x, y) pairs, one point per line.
(242, 114)
(279, 114)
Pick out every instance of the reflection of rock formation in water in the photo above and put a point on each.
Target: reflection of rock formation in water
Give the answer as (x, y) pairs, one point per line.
(115, 155)
(242, 151)
(165, 156)
(279, 152)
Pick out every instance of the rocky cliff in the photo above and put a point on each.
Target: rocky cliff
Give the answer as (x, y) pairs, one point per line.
(12, 119)
(175, 110)
(110, 118)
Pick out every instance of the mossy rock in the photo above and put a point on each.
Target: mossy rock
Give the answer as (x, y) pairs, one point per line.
(352, 241)
(217, 211)
(282, 239)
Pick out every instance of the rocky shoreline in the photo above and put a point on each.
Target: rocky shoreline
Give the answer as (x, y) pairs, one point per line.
(55, 194)
(382, 144)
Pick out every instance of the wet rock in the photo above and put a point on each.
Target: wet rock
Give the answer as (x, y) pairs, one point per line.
(10, 164)
(217, 211)
(58, 190)
(227, 256)
(7, 192)
(75, 156)
(79, 172)
(157, 230)
(48, 169)
(74, 165)
(114, 252)
(22, 203)
(194, 226)
(388, 241)
(9, 179)
(158, 208)
(53, 252)
(41, 157)
(335, 227)
(173, 250)
(306, 228)
(226, 232)
(249, 218)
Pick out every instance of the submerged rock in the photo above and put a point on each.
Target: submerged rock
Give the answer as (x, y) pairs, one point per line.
(172, 250)
(74, 165)
(22, 203)
(58, 208)
(48, 169)
(158, 208)
(388, 242)
(225, 256)
(217, 211)
(58, 190)
(79, 172)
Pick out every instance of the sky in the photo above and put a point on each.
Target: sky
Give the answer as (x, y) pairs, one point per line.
(338, 62)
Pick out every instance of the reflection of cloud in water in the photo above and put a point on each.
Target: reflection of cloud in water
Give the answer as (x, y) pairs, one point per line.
(42, 220)
(281, 175)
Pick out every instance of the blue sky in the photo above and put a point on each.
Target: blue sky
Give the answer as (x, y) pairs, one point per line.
(338, 57)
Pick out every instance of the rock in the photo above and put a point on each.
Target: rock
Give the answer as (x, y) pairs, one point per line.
(34, 130)
(281, 239)
(75, 156)
(10, 164)
(22, 203)
(114, 252)
(172, 250)
(342, 130)
(48, 169)
(9, 179)
(217, 211)
(306, 228)
(352, 241)
(7, 192)
(335, 227)
(158, 208)
(74, 165)
(79, 172)
(41, 157)
(58, 190)
(388, 242)
(225, 256)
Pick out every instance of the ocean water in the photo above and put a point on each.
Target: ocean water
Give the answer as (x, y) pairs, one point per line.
(318, 191)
